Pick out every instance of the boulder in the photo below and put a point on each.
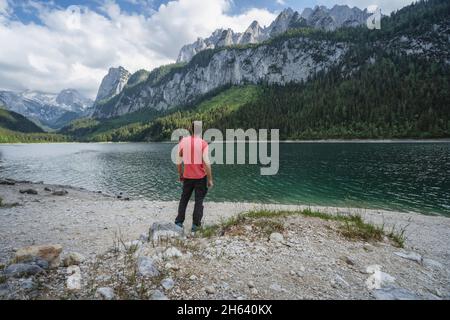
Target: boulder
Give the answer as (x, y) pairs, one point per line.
(105, 293)
(73, 259)
(164, 230)
(49, 253)
(28, 191)
(21, 270)
(146, 267)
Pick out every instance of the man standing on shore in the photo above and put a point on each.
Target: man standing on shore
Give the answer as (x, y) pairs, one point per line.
(197, 174)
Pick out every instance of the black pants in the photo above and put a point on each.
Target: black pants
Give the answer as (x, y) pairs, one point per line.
(201, 188)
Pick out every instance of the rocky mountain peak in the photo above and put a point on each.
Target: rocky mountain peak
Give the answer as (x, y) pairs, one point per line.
(113, 83)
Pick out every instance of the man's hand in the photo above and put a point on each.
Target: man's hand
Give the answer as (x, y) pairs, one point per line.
(181, 178)
(210, 183)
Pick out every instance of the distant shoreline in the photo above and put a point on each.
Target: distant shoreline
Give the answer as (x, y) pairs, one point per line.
(443, 140)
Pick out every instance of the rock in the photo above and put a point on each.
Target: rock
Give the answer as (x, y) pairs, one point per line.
(48, 189)
(49, 253)
(73, 259)
(146, 268)
(172, 252)
(413, 256)
(20, 270)
(37, 261)
(368, 247)
(171, 266)
(193, 277)
(350, 261)
(60, 193)
(105, 293)
(210, 290)
(73, 282)
(28, 191)
(377, 279)
(28, 284)
(251, 284)
(167, 283)
(275, 287)
(254, 291)
(158, 295)
(7, 182)
(164, 230)
(276, 237)
(394, 293)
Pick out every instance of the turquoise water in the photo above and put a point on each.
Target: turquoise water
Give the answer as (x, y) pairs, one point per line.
(396, 176)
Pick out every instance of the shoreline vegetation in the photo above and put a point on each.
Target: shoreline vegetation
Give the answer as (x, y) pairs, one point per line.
(88, 245)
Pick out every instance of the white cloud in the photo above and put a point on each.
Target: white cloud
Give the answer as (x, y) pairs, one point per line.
(387, 6)
(74, 47)
(281, 2)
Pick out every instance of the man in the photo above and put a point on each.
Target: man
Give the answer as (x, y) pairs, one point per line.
(197, 174)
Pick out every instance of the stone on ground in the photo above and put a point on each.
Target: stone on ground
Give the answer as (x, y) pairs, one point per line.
(49, 253)
(146, 267)
(105, 293)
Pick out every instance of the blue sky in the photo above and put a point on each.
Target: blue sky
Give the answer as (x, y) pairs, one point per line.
(58, 44)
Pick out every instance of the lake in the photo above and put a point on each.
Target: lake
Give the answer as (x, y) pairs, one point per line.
(412, 176)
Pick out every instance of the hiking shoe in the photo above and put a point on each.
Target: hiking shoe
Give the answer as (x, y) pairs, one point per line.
(180, 224)
(195, 228)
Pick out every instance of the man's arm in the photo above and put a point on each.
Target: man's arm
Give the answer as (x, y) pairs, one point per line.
(179, 164)
(208, 169)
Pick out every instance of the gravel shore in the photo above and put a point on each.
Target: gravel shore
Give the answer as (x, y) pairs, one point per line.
(90, 223)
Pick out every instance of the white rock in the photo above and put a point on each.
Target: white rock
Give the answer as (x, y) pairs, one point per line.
(251, 284)
(432, 264)
(73, 258)
(172, 252)
(210, 290)
(105, 293)
(73, 282)
(193, 277)
(413, 256)
(377, 279)
(276, 237)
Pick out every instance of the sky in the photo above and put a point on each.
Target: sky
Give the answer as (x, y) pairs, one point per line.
(53, 45)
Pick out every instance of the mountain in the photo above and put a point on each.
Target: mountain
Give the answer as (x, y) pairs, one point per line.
(45, 108)
(16, 122)
(309, 82)
(290, 57)
(320, 18)
(113, 83)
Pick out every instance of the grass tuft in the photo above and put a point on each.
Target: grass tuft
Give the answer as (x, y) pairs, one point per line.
(352, 226)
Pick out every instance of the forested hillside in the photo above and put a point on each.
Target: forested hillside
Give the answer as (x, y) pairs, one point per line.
(392, 83)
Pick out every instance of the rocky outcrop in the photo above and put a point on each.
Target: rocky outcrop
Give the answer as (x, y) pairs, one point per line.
(113, 83)
(291, 60)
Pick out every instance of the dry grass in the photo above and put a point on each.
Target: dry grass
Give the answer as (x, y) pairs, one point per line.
(351, 226)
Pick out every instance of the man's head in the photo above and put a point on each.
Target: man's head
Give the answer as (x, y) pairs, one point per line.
(196, 128)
